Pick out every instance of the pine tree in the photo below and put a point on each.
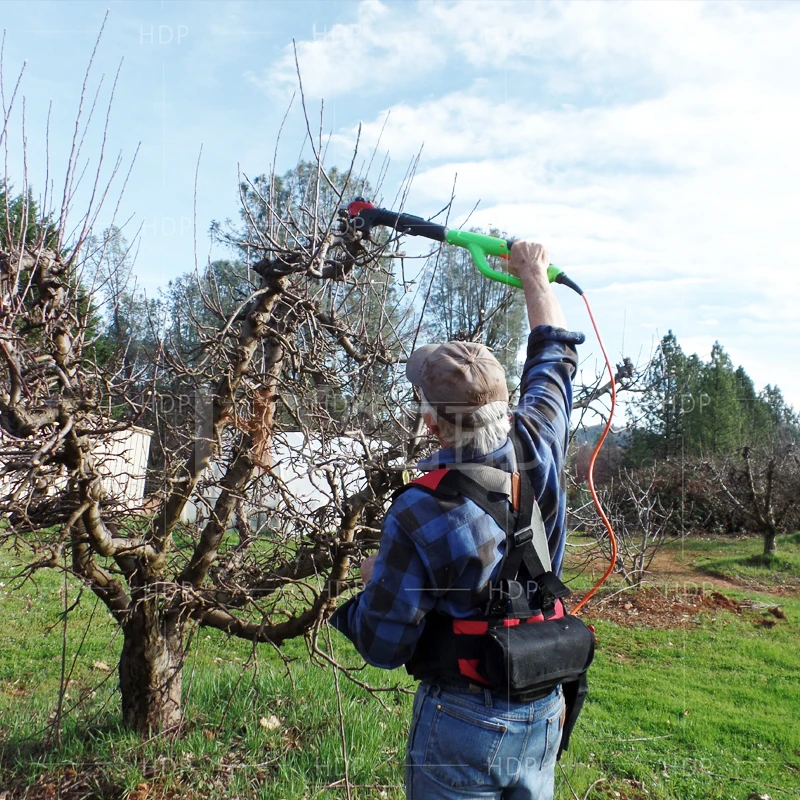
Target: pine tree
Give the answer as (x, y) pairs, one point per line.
(719, 421)
(667, 402)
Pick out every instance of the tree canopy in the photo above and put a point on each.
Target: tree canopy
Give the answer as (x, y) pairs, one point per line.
(696, 407)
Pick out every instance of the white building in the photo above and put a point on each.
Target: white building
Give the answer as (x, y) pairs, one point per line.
(121, 463)
(304, 469)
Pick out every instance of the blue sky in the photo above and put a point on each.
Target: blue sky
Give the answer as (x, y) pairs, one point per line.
(651, 146)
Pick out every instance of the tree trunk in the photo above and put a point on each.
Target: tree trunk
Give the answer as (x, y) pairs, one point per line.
(150, 670)
(769, 543)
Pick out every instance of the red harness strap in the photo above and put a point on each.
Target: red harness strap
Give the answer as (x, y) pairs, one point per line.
(431, 480)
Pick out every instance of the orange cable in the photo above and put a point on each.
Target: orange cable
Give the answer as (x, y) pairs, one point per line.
(590, 476)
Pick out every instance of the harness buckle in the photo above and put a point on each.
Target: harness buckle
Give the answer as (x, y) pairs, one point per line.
(522, 536)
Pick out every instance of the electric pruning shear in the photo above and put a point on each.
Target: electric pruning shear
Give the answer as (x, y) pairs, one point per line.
(364, 216)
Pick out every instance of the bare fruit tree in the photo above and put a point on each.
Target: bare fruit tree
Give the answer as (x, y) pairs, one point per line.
(289, 436)
(762, 487)
(281, 391)
(640, 517)
(260, 402)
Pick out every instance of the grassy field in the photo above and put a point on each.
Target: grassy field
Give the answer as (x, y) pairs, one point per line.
(706, 708)
(747, 564)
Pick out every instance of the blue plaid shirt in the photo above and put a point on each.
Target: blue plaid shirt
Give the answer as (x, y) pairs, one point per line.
(436, 552)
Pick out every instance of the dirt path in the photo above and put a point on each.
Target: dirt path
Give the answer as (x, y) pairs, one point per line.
(665, 569)
(674, 593)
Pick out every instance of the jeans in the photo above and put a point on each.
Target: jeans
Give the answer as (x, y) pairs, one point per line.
(463, 744)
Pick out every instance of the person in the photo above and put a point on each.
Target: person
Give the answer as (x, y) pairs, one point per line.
(464, 740)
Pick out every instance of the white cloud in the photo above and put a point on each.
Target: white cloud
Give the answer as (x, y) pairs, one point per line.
(380, 48)
(652, 146)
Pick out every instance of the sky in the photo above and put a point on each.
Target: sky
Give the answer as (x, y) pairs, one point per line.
(652, 147)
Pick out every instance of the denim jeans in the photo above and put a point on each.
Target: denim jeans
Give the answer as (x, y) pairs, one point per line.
(465, 744)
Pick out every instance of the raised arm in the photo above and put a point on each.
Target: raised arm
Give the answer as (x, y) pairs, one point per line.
(529, 262)
(542, 415)
(546, 390)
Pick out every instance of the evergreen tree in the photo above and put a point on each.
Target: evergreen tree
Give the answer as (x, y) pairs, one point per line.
(696, 408)
(665, 406)
(755, 422)
(718, 422)
(784, 421)
(21, 220)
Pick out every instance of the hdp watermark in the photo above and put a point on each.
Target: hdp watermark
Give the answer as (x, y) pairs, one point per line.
(162, 34)
(167, 226)
(338, 33)
(689, 402)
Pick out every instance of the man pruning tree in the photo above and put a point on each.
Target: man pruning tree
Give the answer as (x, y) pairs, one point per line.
(466, 560)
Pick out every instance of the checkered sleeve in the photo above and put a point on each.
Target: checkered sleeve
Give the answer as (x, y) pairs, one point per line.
(546, 390)
(542, 419)
(385, 620)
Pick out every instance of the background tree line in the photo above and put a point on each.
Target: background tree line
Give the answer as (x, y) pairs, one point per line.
(691, 407)
(703, 450)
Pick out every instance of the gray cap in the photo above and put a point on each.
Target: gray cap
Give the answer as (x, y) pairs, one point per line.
(457, 378)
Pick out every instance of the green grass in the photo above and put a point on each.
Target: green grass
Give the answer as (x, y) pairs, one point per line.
(698, 713)
(742, 560)
(224, 749)
(704, 712)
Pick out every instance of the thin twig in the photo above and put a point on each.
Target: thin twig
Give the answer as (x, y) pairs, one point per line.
(341, 719)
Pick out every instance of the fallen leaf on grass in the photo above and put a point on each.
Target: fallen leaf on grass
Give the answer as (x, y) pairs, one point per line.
(140, 792)
(766, 623)
(624, 657)
(102, 666)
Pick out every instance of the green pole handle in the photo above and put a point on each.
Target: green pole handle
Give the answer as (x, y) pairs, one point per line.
(480, 245)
